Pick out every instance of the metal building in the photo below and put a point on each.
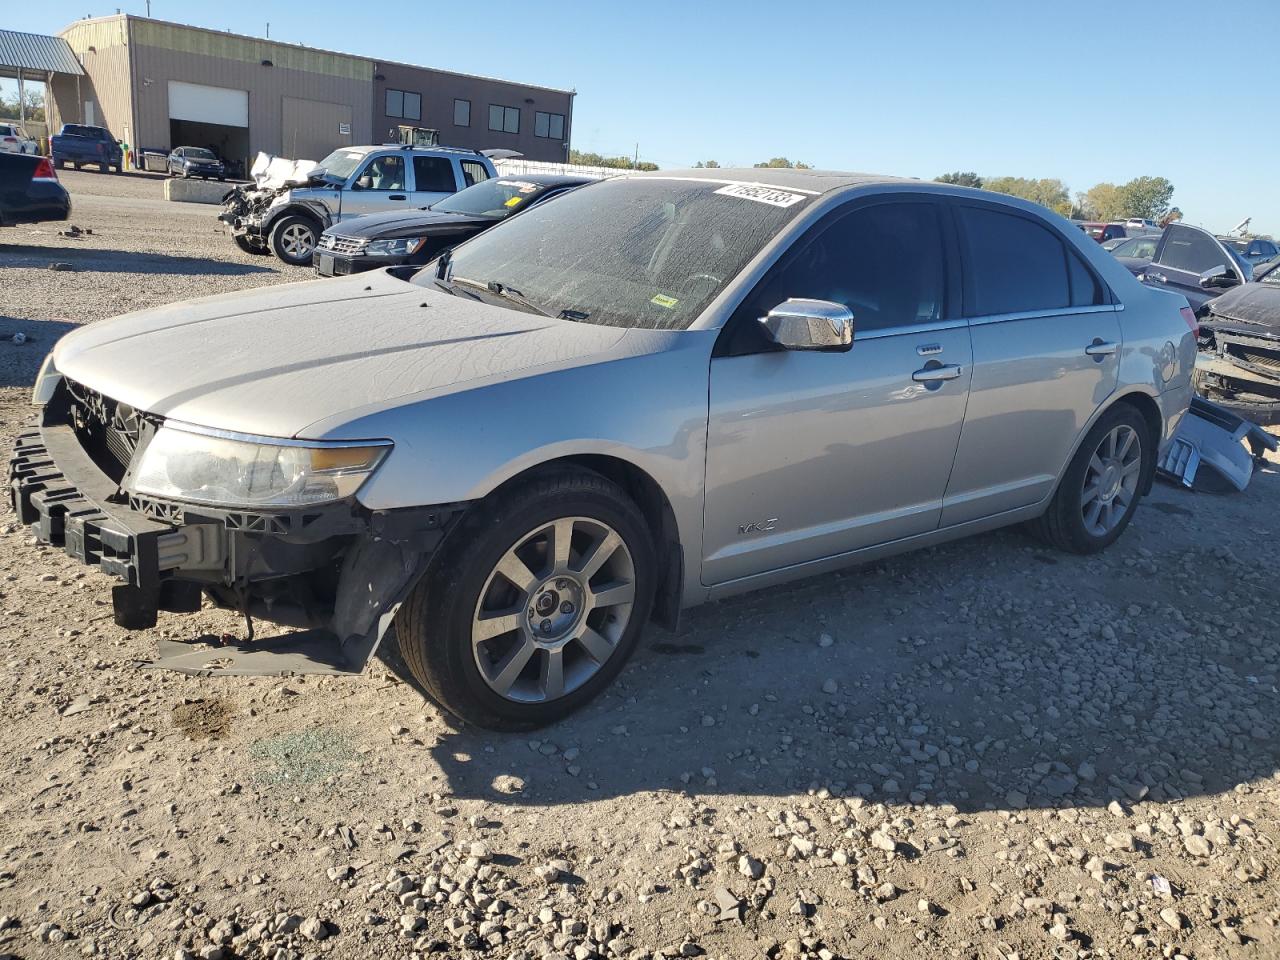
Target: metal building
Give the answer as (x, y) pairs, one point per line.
(160, 85)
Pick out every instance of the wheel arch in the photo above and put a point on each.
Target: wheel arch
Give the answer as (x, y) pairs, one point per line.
(651, 499)
(1147, 407)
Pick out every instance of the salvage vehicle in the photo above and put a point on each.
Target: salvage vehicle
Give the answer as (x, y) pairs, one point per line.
(1253, 250)
(418, 236)
(189, 162)
(651, 393)
(1196, 264)
(287, 215)
(1239, 362)
(30, 191)
(79, 144)
(1135, 252)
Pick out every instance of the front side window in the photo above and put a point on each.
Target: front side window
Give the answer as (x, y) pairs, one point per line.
(1012, 264)
(462, 113)
(383, 173)
(646, 252)
(1191, 251)
(548, 125)
(884, 262)
(504, 119)
(433, 174)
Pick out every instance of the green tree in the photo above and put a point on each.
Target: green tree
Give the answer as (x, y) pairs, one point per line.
(34, 101)
(1105, 201)
(967, 179)
(707, 165)
(1048, 192)
(783, 163)
(1147, 197)
(1173, 215)
(616, 163)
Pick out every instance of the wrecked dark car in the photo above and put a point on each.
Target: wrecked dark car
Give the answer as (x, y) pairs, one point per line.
(1239, 361)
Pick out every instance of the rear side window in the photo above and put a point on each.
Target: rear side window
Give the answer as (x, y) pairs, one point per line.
(1191, 250)
(433, 174)
(1086, 291)
(1013, 265)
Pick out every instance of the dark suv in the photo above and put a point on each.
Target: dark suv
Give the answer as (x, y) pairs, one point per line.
(1196, 264)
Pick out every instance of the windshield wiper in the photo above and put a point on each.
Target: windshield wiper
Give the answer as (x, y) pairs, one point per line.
(504, 292)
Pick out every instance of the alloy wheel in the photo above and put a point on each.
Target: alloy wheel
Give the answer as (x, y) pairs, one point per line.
(1111, 480)
(553, 610)
(297, 240)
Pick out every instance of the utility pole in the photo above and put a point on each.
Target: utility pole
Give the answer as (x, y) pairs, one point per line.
(268, 29)
(148, 9)
(635, 164)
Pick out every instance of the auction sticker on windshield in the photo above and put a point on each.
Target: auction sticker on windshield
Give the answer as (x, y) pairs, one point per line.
(769, 195)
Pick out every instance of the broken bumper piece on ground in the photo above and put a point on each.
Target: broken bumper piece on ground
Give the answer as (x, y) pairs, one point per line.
(1208, 453)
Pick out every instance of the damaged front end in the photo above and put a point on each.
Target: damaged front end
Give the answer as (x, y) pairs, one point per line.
(334, 570)
(1239, 361)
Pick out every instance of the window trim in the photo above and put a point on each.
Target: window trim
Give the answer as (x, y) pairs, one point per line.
(456, 101)
(1108, 295)
(951, 317)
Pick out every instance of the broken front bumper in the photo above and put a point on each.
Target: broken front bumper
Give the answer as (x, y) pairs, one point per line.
(338, 572)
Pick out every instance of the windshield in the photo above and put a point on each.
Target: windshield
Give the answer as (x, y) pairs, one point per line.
(342, 163)
(1239, 246)
(493, 198)
(647, 252)
(200, 153)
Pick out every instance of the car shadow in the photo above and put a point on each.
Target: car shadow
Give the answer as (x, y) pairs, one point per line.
(1027, 678)
(20, 362)
(93, 260)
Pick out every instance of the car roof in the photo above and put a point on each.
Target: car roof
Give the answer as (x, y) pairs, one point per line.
(814, 181)
(548, 179)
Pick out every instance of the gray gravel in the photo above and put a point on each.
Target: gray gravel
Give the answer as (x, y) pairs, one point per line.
(978, 751)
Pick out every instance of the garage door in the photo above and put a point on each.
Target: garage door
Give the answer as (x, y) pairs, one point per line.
(311, 129)
(221, 105)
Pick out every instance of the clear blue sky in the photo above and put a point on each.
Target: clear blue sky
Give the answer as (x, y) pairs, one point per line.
(1085, 91)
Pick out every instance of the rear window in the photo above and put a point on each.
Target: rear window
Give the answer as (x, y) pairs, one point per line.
(1014, 265)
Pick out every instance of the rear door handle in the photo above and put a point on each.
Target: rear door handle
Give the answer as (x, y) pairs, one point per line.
(397, 196)
(1101, 348)
(949, 371)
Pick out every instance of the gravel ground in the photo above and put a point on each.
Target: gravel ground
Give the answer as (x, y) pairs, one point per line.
(987, 750)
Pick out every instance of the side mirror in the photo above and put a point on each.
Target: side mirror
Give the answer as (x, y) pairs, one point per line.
(1219, 276)
(800, 324)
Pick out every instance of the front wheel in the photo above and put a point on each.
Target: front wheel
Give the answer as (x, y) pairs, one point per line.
(248, 246)
(1102, 485)
(534, 604)
(293, 240)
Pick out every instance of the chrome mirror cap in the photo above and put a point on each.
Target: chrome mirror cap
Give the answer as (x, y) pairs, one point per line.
(801, 324)
(1219, 276)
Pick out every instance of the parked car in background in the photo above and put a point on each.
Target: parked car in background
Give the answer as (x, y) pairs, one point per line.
(1239, 362)
(1138, 226)
(647, 394)
(1268, 271)
(418, 236)
(1102, 232)
(1252, 250)
(1114, 242)
(30, 191)
(1135, 252)
(79, 144)
(1196, 264)
(13, 139)
(287, 218)
(195, 162)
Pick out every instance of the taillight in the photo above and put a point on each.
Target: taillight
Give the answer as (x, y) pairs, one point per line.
(44, 170)
(1192, 323)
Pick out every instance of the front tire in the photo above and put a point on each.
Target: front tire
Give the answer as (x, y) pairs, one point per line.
(1101, 487)
(534, 604)
(245, 244)
(293, 240)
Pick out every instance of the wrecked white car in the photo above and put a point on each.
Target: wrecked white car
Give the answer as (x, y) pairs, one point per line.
(292, 202)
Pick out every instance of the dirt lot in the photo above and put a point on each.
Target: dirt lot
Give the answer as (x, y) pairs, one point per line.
(988, 750)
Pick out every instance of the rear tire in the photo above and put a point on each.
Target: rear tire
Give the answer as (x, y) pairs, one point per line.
(535, 671)
(104, 168)
(293, 240)
(1102, 485)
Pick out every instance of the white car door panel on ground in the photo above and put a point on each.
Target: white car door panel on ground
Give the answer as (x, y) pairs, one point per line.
(814, 454)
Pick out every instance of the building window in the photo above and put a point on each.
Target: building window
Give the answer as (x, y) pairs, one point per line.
(549, 125)
(506, 119)
(462, 113)
(401, 103)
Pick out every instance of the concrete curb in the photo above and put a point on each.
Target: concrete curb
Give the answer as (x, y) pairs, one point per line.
(196, 191)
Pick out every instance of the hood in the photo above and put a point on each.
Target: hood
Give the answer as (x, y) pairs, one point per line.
(276, 360)
(405, 223)
(271, 172)
(1251, 305)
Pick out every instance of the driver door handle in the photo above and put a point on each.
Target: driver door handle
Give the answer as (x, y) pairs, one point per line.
(1101, 348)
(948, 371)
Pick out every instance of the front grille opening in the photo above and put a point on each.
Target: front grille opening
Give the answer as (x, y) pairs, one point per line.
(109, 432)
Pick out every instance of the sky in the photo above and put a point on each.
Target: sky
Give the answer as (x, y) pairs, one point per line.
(1085, 92)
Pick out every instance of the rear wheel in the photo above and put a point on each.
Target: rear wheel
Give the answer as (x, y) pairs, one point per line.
(534, 605)
(104, 168)
(293, 240)
(1102, 486)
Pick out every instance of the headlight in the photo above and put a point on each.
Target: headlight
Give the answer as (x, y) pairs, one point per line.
(46, 382)
(395, 248)
(184, 463)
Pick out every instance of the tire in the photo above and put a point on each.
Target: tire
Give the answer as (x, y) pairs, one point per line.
(248, 246)
(288, 233)
(1067, 523)
(436, 625)
(104, 168)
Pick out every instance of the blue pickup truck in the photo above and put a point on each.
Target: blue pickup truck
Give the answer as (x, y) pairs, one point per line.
(80, 144)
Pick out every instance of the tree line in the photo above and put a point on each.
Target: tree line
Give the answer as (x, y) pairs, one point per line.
(1146, 197)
